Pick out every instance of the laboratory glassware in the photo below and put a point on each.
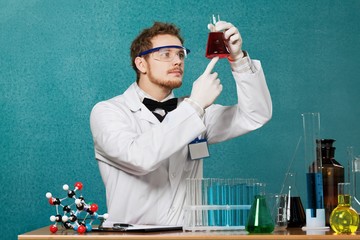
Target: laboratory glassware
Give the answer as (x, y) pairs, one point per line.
(315, 212)
(260, 219)
(278, 208)
(356, 184)
(216, 46)
(333, 173)
(344, 219)
(294, 209)
(218, 204)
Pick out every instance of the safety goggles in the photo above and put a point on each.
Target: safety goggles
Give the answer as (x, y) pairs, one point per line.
(167, 53)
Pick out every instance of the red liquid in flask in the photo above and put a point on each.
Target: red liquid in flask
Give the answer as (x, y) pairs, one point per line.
(216, 46)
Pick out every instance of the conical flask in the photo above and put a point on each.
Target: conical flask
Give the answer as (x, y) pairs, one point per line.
(295, 212)
(216, 46)
(260, 219)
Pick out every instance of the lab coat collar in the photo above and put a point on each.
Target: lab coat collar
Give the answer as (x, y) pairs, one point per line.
(132, 100)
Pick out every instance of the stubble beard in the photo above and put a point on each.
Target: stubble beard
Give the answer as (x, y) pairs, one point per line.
(166, 83)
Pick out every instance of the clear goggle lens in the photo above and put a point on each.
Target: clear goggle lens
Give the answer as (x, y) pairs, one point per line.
(167, 53)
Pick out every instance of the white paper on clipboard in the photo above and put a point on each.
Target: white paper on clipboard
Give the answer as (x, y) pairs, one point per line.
(137, 228)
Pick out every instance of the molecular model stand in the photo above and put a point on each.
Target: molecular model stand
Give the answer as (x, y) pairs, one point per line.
(80, 219)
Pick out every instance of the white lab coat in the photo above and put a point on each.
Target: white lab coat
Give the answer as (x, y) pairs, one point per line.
(144, 163)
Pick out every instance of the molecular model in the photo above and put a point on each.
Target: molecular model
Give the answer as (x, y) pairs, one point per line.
(81, 219)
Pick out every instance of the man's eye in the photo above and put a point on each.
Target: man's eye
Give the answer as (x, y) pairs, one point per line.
(181, 55)
(165, 53)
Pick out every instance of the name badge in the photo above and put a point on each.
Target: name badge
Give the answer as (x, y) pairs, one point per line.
(198, 149)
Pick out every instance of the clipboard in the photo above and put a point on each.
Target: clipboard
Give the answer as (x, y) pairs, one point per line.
(122, 227)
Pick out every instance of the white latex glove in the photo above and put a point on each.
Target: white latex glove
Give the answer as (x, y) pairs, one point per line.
(207, 87)
(232, 37)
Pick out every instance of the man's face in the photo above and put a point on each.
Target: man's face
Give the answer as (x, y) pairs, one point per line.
(165, 74)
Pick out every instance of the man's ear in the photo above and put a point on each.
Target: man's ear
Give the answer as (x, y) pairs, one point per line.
(141, 64)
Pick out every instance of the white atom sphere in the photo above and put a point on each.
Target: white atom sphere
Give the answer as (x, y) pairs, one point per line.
(66, 187)
(65, 218)
(53, 218)
(48, 195)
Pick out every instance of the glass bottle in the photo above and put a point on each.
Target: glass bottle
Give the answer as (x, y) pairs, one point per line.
(333, 174)
(344, 219)
(295, 212)
(260, 219)
(216, 46)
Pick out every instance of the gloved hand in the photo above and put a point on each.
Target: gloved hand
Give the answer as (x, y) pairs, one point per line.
(232, 37)
(207, 87)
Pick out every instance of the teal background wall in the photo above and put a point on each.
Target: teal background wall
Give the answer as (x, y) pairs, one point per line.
(58, 58)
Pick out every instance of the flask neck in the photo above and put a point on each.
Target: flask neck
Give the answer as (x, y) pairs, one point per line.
(344, 200)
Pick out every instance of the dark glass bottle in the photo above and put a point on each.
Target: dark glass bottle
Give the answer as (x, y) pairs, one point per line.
(333, 173)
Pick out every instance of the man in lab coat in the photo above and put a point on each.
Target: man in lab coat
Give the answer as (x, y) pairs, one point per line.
(146, 151)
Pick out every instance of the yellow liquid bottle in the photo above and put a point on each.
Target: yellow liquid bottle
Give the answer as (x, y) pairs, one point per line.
(344, 219)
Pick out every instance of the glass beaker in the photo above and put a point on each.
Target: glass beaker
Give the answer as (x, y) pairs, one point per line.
(216, 46)
(278, 206)
(344, 219)
(260, 219)
(295, 212)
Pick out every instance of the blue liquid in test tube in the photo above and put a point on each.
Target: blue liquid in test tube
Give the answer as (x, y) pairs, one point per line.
(315, 196)
(211, 215)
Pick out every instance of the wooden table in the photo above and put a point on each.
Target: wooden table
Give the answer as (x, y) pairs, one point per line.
(291, 233)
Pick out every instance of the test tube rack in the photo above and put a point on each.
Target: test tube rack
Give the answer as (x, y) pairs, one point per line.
(218, 204)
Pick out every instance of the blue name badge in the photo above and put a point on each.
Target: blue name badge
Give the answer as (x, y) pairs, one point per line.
(198, 149)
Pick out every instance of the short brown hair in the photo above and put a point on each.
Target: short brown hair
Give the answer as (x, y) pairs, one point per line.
(143, 41)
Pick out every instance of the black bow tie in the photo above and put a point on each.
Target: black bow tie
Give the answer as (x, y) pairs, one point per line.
(168, 105)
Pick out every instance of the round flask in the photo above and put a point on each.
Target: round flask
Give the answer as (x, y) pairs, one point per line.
(344, 219)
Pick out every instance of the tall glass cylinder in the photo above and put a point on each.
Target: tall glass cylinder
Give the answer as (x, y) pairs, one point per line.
(315, 212)
(356, 184)
(311, 125)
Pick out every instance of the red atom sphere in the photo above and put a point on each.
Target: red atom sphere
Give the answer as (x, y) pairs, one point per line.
(94, 207)
(53, 228)
(51, 201)
(81, 229)
(78, 185)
